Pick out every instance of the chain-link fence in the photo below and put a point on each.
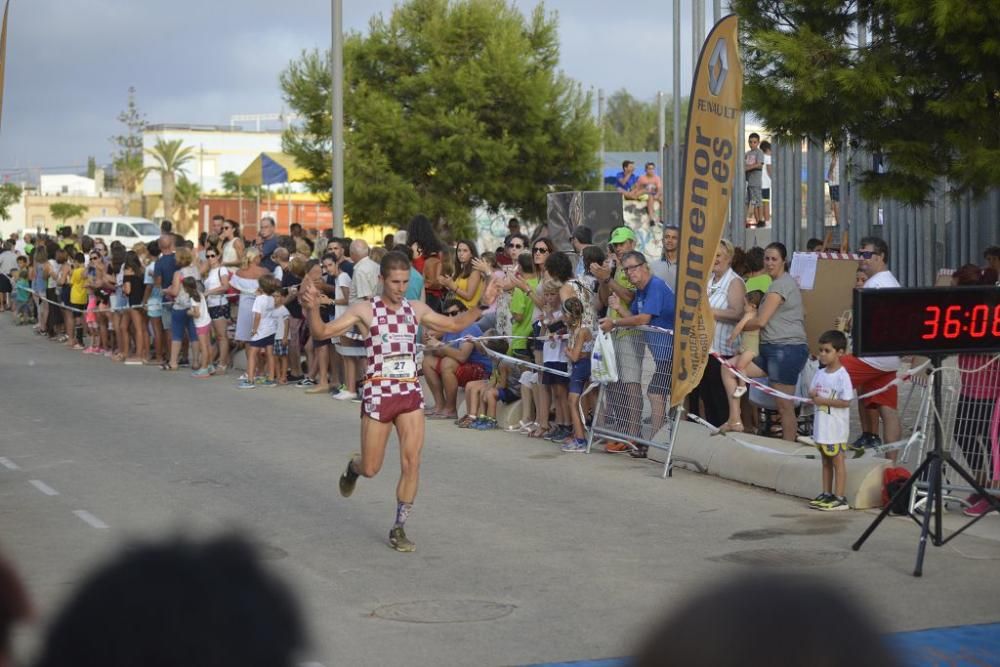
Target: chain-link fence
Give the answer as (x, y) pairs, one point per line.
(636, 409)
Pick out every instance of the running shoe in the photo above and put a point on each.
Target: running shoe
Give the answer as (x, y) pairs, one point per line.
(349, 479)
(306, 382)
(201, 373)
(399, 541)
(575, 446)
(820, 499)
(836, 504)
(268, 383)
(864, 440)
(344, 395)
(246, 385)
(617, 448)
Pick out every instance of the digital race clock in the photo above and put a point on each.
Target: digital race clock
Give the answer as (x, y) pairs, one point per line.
(926, 321)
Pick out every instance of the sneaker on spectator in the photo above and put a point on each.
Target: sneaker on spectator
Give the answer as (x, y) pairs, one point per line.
(639, 452)
(981, 507)
(614, 447)
(245, 384)
(77, 346)
(91, 350)
(484, 424)
(576, 445)
(820, 499)
(836, 504)
(268, 383)
(109, 353)
(306, 382)
(344, 395)
(201, 373)
(466, 422)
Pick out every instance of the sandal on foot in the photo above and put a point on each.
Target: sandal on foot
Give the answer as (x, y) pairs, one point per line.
(739, 391)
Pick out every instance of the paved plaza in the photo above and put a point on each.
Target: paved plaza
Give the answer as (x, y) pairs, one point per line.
(524, 555)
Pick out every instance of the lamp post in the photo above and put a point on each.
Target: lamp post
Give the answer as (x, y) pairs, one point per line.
(337, 90)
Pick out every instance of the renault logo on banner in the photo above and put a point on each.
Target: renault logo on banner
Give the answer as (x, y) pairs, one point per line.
(718, 67)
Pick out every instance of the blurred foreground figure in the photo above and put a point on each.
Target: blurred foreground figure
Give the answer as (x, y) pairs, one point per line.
(14, 608)
(766, 620)
(178, 603)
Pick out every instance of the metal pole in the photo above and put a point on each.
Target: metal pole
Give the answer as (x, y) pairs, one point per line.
(716, 11)
(600, 124)
(337, 80)
(661, 100)
(675, 142)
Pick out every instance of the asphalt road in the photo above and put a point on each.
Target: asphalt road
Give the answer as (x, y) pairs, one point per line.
(571, 556)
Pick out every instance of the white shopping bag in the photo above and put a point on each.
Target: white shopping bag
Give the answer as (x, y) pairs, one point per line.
(603, 365)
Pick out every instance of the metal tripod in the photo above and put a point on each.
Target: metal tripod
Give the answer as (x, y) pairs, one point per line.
(932, 466)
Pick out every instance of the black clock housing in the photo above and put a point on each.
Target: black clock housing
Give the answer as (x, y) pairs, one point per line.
(929, 321)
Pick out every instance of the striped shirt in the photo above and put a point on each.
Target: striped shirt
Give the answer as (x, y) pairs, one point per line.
(718, 297)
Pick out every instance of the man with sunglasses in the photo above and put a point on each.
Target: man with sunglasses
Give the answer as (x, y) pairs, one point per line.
(653, 306)
(871, 373)
(392, 395)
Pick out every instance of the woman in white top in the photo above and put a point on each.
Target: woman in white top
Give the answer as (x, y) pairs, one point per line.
(246, 281)
(216, 287)
(180, 320)
(232, 247)
(726, 292)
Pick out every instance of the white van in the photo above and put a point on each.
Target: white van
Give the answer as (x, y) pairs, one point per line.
(127, 230)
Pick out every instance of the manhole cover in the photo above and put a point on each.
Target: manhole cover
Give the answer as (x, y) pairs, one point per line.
(782, 557)
(443, 611)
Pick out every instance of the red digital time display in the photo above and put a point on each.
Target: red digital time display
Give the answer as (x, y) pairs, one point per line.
(935, 320)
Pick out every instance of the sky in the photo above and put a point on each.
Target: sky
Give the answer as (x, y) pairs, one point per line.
(70, 62)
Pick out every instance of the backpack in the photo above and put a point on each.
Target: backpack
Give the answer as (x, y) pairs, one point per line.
(893, 479)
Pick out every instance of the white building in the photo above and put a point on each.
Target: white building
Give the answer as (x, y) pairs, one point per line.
(217, 149)
(67, 184)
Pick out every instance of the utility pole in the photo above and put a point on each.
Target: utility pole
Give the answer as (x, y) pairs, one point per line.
(600, 124)
(675, 144)
(337, 79)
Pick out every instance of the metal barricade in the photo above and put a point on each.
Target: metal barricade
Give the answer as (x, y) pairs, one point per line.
(970, 420)
(636, 409)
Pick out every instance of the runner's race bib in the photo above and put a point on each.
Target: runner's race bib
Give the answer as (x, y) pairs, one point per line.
(399, 367)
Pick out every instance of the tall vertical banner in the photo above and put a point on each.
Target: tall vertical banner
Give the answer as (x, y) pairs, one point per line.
(710, 158)
(3, 55)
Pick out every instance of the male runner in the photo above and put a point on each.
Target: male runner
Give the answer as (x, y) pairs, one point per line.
(392, 395)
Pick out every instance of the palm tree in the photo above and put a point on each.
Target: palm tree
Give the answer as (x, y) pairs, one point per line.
(187, 194)
(130, 173)
(170, 158)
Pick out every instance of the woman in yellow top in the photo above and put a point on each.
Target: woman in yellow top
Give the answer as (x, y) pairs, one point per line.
(465, 282)
(77, 299)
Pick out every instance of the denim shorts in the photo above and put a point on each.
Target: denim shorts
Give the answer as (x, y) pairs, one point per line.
(179, 321)
(782, 363)
(580, 375)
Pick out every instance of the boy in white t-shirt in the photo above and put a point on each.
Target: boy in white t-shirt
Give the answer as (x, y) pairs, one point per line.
(831, 392)
(262, 334)
(280, 316)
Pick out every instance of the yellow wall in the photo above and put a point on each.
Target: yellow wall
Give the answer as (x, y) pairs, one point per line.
(38, 215)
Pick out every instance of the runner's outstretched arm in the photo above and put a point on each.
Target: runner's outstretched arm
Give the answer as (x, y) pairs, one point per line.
(443, 323)
(322, 330)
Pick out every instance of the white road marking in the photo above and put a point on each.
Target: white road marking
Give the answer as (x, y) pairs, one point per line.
(7, 463)
(90, 519)
(44, 488)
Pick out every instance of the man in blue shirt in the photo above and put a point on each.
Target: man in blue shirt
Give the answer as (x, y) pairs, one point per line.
(626, 178)
(654, 305)
(267, 243)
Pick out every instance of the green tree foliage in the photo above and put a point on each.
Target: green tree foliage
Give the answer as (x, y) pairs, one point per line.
(449, 104)
(231, 185)
(10, 194)
(633, 125)
(170, 156)
(924, 92)
(63, 211)
(187, 194)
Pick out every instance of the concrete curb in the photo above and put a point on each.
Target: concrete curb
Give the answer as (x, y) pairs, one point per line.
(724, 457)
